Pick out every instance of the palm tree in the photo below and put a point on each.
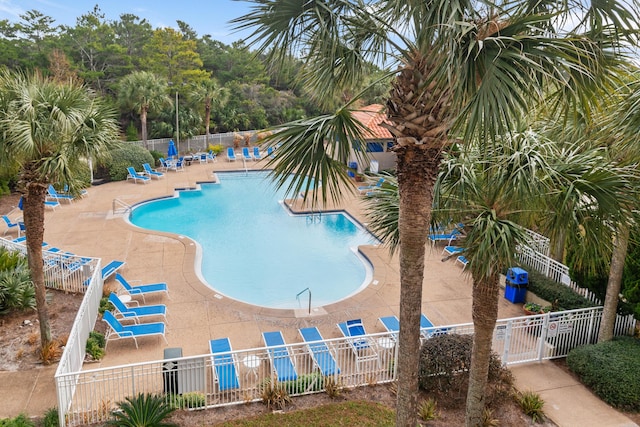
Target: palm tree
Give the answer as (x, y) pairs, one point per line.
(495, 190)
(212, 95)
(624, 122)
(46, 126)
(477, 65)
(142, 92)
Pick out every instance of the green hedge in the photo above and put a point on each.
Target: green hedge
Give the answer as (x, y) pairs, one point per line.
(125, 156)
(611, 369)
(556, 293)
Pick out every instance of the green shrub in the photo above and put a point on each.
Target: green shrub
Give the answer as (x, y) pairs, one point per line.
(216, 148)
(143, 410)
(305, 383)
(531, 404)
(274, 395)
(444, 365)
(611, 369)
(51, 418)
(428, 410)
(125, 156)
(550, 290)
(131, 132)
(104, 305)
(19, 421)
(95, 345)
(190, 400)
(156, 157)
(16, 290)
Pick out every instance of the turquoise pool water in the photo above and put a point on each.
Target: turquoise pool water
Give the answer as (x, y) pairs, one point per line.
(255, 251)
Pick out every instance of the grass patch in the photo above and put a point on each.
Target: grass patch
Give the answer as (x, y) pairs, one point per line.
(357, 413)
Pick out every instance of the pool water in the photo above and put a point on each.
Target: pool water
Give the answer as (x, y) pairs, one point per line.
(254, 250)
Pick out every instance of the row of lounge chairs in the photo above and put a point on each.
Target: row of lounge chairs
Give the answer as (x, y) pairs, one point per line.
(456, 251)
(226, 367)
(247, 155)
(132, 309)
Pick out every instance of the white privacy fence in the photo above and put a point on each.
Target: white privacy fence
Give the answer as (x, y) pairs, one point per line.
(242, 376)
(197, 143)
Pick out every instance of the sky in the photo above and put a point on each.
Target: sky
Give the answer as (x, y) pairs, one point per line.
(204, 16)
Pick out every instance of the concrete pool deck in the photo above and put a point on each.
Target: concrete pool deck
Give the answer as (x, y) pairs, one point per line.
(197, 314)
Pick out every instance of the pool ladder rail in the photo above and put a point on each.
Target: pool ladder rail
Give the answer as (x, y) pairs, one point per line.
(302, 292)
(120, 207)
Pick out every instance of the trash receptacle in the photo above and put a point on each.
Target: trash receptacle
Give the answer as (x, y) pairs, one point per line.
(170, 370)
(515, 289)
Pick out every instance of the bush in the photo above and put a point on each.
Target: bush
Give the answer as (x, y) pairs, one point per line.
(611, 369)
(308, 382)
(19, 421)
(156, 157)
(125, 156)
(444, 366)
(95, 345)
(550, 290)
(216, 148)
(51, 418)
(144, 410)
(531, 404)
(274, 395)
(16, 288)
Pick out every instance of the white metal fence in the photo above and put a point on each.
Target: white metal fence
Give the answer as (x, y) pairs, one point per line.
(242, 376)
(554, 270)
(196, 143)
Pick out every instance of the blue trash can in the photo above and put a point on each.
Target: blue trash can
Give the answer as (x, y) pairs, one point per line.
(515, 289)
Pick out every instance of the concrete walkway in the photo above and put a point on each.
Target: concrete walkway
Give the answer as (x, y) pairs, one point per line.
(197, 313)
(567, 402)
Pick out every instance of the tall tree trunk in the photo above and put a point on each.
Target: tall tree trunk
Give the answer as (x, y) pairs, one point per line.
(485, 314)
(33, 205)
(620, 244)
(557, 249)
(417, 171)
(207, 119)
(143, 125)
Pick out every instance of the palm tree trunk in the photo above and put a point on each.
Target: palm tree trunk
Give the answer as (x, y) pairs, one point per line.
(620, 244)
(485, 314)
(207, 119)
(33, 205)
(417, 171)
(143, 125)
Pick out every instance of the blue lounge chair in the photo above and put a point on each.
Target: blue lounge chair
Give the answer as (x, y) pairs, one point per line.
(366, 188)
(152, 173)
(136, 313)
(135, 176)
(444, 237)
(10, 224)
(271, 153)
(320, 353)
(231, 155)
(281, 360)
(256, 154)
(142, 290)
(355, 333)
(80, 194)
(119, 331)
(245, 154)
(112, 267)
(163, 164)
(225, 366)
(452, 250)
(391, 324)
(211, 156)
(53, 194)
(51, 204)
(462, 260)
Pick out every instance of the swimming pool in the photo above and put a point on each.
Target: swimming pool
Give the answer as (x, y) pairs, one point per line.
(254, 250)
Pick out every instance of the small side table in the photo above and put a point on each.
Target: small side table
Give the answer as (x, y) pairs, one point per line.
(252, 362)
(386, 343)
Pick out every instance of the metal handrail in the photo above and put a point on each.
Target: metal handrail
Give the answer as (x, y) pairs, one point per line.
(120, 203)
(303, 291)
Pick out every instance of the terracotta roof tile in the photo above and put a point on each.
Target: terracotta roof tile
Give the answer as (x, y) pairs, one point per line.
(371, 116)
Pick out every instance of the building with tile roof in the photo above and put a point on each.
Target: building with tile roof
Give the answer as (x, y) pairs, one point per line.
(379, 140)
